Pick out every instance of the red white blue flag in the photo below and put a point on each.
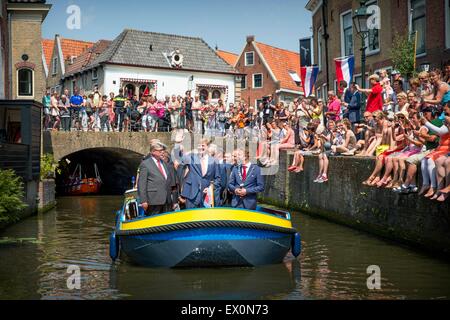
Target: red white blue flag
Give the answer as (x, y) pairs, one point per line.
(344, 69)
(309, 77)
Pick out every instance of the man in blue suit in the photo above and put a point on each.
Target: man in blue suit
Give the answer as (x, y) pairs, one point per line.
(203, 170)
(225, 167)
(246, 182)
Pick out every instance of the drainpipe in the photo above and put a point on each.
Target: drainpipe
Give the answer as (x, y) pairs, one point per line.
(326, 36)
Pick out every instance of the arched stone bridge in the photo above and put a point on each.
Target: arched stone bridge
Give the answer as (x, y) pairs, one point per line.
(62, 144)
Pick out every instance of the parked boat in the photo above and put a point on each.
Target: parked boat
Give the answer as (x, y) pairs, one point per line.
(203, 237)
(77, 185)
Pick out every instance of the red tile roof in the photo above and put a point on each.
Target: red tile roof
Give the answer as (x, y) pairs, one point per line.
(85, 58)
(229, 57)
(47, 48)
(73, 48)
(282, 61)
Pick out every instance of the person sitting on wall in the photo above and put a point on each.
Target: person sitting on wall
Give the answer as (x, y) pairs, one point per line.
(202, 170)
(246, 181)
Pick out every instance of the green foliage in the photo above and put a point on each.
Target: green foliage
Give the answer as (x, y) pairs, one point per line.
(11, 194)
(403, 55)
(49, 166)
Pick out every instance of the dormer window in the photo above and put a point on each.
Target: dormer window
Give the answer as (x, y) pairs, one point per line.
(94, 74)
(55, 66)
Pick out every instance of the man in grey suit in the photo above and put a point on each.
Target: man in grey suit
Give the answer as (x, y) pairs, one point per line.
(155, 181)
(202, 170)
(246, 181)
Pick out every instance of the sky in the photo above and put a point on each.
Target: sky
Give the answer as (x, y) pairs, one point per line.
(280, 23)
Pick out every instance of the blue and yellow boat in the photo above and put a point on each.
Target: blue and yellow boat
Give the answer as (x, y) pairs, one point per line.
(204, 237)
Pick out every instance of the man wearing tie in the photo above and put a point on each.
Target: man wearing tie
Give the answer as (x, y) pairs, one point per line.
(245, 183)
(155, 181)
(203, 170)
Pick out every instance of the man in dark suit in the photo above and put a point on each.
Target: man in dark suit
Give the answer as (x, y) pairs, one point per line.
(203, 170)
(226, 167)
(246, 182)
(155, 181)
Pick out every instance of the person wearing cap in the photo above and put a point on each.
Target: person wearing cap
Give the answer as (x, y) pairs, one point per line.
(155, 181)
(375, 99)
(119, 109)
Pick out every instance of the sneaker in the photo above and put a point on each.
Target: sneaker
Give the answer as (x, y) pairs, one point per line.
(317, 179)
(323, 179)
(400, 189)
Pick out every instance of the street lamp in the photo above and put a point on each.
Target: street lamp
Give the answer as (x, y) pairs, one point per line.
(360, 17)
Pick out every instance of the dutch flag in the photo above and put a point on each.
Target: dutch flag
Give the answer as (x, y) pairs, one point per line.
(344, 69)
(309, 77)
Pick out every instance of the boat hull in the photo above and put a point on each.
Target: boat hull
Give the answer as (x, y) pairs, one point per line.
(207, 247)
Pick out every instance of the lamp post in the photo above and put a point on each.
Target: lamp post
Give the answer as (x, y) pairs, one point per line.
(360, 17)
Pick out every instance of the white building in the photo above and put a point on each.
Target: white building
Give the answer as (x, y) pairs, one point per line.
(166, 64)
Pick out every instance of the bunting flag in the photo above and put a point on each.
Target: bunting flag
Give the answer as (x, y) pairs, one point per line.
(309, 77)
(344, 69)
(146, 91)
(208, 201)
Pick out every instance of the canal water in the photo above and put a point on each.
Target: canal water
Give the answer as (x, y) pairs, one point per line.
(36, 253)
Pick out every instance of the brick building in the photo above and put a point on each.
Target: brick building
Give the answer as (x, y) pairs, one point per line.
(268, 70)
(22, 71)
(63, 54)
(335, 36)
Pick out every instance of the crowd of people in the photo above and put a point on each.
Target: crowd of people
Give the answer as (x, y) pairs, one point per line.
(403, 129)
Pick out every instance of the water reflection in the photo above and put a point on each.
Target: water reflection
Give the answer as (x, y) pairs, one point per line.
(268, 282)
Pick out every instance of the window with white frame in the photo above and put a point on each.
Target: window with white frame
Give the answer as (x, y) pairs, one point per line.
(257, 80)
(94, 74)
(447, 24)
(346, 33)
(418, 24)
(373, 38)
(244, 82)
(55, 65)
(25, 82)
(319, 48)
(249, 58)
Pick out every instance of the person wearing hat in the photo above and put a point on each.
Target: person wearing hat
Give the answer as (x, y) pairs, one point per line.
(155, 181)
(119, 109)
(375, 99)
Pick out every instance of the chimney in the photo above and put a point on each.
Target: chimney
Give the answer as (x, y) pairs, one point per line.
(250, 39)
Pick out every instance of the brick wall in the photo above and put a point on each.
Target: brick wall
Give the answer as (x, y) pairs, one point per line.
(26, 39)
(394, 19)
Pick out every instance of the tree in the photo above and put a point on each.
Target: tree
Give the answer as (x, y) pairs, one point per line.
(403, 55)
(11, 195)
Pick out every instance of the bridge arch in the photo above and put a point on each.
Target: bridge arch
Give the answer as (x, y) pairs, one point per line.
(116, 167)
(61, 144)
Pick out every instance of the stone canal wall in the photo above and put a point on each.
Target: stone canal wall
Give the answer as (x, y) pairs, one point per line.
(343, 199)
(47, 197)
